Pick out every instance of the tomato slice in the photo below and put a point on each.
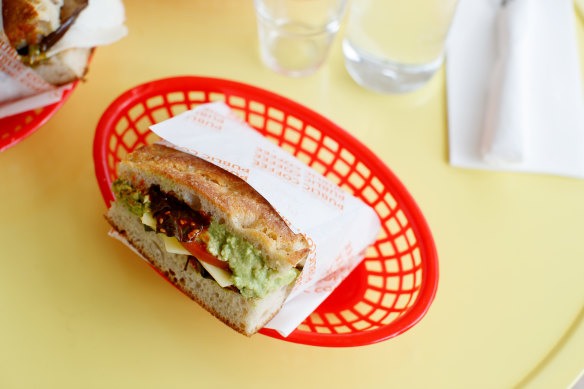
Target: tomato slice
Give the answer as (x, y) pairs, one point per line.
(200, 252)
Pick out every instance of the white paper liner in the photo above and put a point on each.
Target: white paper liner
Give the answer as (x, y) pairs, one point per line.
(337, 226)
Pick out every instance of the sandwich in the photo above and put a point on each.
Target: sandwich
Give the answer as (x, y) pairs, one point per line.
(208, 232)
(33, 27)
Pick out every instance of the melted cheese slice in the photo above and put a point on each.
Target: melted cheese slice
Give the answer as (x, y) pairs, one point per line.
(172, 245)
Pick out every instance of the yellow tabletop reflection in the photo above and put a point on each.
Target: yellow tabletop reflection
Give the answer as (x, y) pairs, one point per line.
(79, 310)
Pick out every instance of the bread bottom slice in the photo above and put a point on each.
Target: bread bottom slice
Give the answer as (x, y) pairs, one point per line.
(64, 67)
(245, 315)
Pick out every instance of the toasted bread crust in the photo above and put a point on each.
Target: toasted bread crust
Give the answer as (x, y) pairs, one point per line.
(221, 194)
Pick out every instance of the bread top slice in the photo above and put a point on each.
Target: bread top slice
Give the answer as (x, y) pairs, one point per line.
(222, 195)
(26, 22)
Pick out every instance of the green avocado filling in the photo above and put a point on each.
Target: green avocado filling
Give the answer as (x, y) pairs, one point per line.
(251, 275)
(132, 199)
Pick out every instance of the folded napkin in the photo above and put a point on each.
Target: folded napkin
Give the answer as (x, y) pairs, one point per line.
(514, 87)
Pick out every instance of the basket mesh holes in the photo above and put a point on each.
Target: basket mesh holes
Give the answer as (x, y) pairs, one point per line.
(332, 319)
(240, 113)
(408, 282)
(309, 145)
(313, 133)
(28, 119)
(276, 114)
(155, 101)
(292, 136)
(373, 265)
(407, 262)
(402, 301)
(349, 158)
(330, 144)
(386, 249)
(388, 300)
(315, 318)
(418, 274)
(401, 244)
(236, 101)
(287, 147)
(274, 127)
(388, 198)
(373, 296)
(392, 283)
(196, 96)
(361, 325)
(363, 170)
(341, 168)
(393, 226)
(356, 180)
(378, 315)
(143, 124)
(256, 121)
(129, 139)
(348, 315)
(319, 167)
(363, 308)
(369, 195)
(160, 115)
(177, 109)
(5, 135)
(411, 237)
(175, 97)
(372, 252)
(304, 327)
(377, 184)
(417, 256)
(391, 266)
(151, 138)
(342, 329)
(323, 330)
(382, 210)
(294, 122)
(376, 281)
(332, 176)
(111, 163)
(325, 156)
(121, 125)
(303, 157)
(136, 111)
(213, 96)
(390, 318)
(260, 108)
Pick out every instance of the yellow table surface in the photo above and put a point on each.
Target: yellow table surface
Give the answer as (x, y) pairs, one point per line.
(79, 310)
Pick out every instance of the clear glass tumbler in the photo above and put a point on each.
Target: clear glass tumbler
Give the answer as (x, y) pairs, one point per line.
(396, 46)
(295, 35)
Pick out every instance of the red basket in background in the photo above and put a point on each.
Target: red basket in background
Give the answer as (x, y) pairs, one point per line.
(16, 128)
(391, 290)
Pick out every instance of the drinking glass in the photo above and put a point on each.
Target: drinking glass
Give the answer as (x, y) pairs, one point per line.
(396, 46)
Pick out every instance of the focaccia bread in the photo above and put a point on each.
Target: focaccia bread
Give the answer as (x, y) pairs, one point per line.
(259, 256)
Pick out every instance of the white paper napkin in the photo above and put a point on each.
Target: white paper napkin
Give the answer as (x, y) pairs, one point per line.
(515, 104)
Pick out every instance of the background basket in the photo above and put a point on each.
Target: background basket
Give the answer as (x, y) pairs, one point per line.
(16, 128)
(391, 289)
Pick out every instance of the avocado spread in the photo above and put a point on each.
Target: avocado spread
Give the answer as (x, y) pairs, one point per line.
(251, 275)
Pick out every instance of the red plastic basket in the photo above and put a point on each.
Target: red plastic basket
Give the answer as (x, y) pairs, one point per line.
(392, 289)
(16, 128)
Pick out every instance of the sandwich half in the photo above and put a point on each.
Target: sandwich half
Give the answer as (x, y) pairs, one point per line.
(34, 26)
(208, 232)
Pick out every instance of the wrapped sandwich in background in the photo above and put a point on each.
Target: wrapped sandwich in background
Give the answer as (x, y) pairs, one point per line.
(46, 44)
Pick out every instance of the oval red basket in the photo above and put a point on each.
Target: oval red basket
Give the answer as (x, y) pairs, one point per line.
(14, 129)
(392, 289)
